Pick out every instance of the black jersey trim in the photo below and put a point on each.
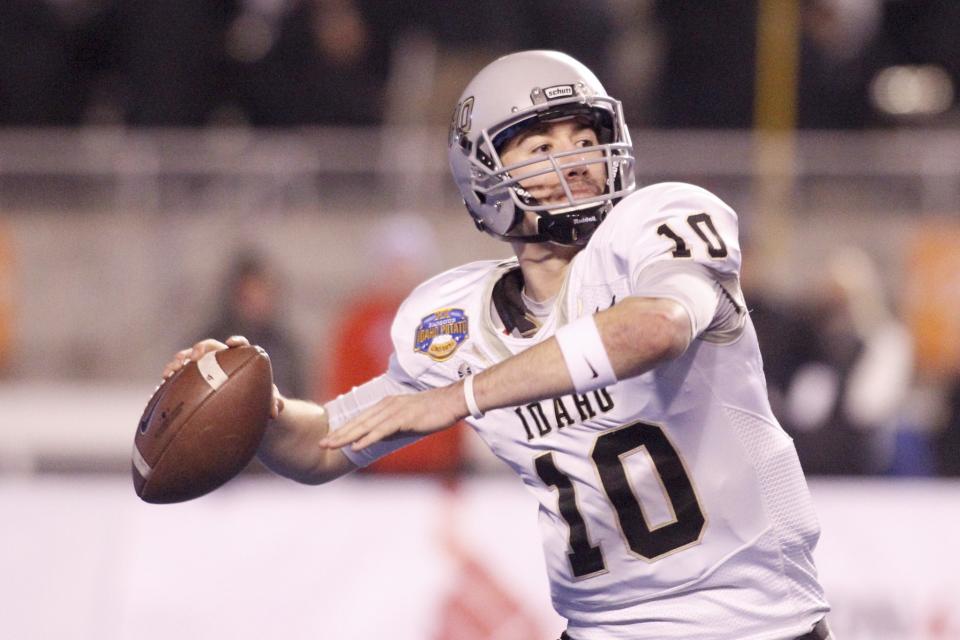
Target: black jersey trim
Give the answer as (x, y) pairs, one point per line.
(509, 303)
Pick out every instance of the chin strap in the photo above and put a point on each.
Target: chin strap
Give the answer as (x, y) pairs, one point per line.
(573, 228)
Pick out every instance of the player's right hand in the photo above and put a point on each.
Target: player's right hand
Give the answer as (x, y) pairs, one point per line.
(197, 351)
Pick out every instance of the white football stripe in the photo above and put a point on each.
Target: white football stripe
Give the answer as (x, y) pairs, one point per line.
(211, 371)
(141, 465)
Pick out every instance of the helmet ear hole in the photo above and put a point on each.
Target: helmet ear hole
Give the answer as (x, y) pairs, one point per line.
(604, 127)
(485, 158)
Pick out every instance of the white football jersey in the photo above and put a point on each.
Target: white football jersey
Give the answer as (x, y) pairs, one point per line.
(672, 504)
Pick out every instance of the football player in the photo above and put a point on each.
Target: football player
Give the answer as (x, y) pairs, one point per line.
(612, 364)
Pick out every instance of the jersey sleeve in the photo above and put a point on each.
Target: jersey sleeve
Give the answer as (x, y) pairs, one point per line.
(674, 223)
(350, 404)
(429, 328)
(678, 241)
(438, 321)
(690, 285)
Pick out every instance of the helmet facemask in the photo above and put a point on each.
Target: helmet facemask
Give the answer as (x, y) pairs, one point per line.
(572, 220)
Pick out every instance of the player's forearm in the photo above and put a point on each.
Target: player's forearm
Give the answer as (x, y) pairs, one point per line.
(637, 334)
(289, 447)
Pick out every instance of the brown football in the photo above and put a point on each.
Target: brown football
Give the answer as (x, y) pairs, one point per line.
(203, 425)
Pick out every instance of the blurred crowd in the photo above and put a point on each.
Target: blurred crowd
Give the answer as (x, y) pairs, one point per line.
(674, 63)
(865, 379)
(845, 379)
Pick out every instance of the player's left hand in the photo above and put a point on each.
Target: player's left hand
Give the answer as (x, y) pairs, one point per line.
(397, 416)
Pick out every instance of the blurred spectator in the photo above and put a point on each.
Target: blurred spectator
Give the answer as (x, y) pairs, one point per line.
(635, 59)
(785, 331)
(839, 369)
(291, 62)
(707, 79)
(434, 44)
(43, 80)
(835, 71)
(709, 71)
(921, 31)
(546, 24)
(933, 311)
(7, 277)
(251, 308)
(307, 62)
(171, 59)
(400, 256)
(498, 27)
(948, 441)
(842, 407)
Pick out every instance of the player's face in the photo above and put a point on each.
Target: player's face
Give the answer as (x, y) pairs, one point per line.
(584, 180)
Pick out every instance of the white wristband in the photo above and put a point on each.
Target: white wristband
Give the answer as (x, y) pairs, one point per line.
(471, 399)
(583, 351)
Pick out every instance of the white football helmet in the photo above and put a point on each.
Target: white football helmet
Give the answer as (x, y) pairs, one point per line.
(515, 92)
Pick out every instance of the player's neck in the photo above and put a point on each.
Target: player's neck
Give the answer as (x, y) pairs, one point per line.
(544, 267)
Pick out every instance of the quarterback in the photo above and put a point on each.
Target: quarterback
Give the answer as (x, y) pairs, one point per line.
(612, 364)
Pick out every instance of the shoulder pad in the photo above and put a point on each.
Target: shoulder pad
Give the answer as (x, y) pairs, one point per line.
(437, 318)
(669, 221)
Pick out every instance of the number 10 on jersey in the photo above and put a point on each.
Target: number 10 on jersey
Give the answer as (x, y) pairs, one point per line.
(608, 455)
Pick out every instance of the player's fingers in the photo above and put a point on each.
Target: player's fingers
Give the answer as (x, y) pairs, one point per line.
(276, 407)
(205, 346)
(180, 358)
(366, 419)
(376, 412)
(360, 424)
(237, 341)
(343, 436)
(376, 435)
(390, 424)
(356, 428)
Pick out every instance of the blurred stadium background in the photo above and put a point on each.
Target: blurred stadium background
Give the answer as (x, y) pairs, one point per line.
(177, 168)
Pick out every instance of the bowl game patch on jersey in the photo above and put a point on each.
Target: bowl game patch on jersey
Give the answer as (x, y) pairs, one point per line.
(441, 333)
